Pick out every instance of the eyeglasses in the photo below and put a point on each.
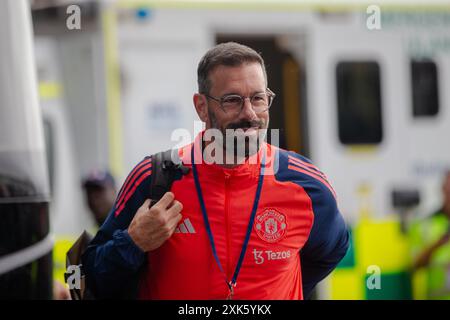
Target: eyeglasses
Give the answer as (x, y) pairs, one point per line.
(233, 103)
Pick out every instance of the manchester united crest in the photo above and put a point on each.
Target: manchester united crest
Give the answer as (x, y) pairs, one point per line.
(270, 225)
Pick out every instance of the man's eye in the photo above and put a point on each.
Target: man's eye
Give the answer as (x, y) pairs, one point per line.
(232, 100)
(259, 98)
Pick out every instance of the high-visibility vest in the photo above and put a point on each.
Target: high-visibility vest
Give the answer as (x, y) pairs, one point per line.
(433, 281)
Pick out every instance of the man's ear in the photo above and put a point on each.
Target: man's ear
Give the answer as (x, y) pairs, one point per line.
(201, 107)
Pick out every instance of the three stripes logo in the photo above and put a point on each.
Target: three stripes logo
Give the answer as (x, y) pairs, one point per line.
(141, 172)
(185, 227)
(310, 170)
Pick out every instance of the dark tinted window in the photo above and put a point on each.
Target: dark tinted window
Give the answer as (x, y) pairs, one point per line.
(425, 97)
(359, 102)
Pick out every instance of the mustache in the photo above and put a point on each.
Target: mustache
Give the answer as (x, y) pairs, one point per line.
(246, 124)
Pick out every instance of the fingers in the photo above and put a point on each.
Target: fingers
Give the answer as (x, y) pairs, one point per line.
(146, 204)
(173, 214)
(165, 201)
(173, 221)
(175, 208)
(167, 208)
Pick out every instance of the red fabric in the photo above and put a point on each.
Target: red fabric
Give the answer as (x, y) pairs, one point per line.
(184, 266)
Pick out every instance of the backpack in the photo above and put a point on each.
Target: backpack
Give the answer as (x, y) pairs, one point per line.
(165, 171)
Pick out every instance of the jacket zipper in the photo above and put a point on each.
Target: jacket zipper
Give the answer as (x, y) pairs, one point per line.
(228, 226)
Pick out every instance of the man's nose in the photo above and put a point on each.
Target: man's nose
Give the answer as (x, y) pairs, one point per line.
(247, 111)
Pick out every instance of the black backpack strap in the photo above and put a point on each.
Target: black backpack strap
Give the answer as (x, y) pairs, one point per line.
(167, 167)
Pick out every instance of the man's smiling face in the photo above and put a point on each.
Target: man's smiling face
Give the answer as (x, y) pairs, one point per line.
(244, 80)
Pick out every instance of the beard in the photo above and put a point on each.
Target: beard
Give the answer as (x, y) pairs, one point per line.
(241, 139)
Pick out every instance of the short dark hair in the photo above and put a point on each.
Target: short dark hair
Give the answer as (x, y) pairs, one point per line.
(228, 54)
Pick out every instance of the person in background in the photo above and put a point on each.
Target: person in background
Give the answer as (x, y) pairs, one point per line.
(100, 193)
(431, 250)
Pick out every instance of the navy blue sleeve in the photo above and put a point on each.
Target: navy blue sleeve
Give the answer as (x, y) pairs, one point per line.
(327, 243)
(329, 238)
(112, 260)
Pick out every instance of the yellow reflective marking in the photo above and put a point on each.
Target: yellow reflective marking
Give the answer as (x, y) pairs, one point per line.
(362, 149)
(381, 243)
(50, 90)
(282, 5)
(347, 284)
(114, 115)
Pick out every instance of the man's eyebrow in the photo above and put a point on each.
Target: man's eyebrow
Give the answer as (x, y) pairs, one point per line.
(231, 93)
(238, 94)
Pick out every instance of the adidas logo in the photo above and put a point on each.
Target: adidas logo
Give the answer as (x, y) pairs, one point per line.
(185, 227)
